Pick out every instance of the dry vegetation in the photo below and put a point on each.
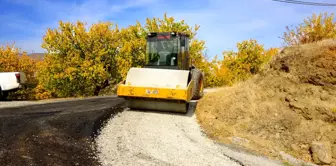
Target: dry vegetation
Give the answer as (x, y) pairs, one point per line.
(286, 107)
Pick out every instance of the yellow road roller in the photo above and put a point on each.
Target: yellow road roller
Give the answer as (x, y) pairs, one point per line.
(168, 81)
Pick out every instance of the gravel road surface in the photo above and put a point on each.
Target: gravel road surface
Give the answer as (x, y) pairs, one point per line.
(159, 138)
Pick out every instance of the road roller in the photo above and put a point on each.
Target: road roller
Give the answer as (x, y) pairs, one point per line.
(168, 81)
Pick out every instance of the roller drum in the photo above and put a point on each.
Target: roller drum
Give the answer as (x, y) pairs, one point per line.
(157, 105)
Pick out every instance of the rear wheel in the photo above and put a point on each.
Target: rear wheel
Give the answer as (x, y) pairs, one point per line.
(3, 95)
(197, 77)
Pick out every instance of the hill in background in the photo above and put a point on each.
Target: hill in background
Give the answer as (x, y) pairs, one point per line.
(38, 56)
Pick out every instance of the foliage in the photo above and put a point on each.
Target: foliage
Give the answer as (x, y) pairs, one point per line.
(79, 62)
(132, 50)
(41, 93)
(13, 60)
(217, 75)
(238, 66)
(314, 28)
(247, 61)
(169, 24)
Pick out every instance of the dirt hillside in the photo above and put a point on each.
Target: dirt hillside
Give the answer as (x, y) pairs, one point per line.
(287, 107)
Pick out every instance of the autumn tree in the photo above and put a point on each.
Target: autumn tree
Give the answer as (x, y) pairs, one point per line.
(12, 59)
(216, 74)
(247, 61)
(314, 28)
(132, 48)
(80, 62)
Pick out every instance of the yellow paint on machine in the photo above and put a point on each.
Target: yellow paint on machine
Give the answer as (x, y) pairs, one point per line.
(183, 94)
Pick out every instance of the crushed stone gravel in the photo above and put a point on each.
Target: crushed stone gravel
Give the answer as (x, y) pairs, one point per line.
(162, 138)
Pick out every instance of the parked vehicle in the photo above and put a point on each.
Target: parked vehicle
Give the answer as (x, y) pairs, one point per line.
(11, 82)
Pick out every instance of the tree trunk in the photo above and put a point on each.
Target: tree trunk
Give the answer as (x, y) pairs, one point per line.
(96, 91)
(100, 87)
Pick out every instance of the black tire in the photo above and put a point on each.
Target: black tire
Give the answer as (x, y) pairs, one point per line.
(197, 77)
(3, 95)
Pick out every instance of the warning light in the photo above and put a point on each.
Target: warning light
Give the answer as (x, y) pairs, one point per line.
(163, 37)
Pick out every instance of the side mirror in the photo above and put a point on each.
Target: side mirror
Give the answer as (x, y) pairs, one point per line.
(172, 61)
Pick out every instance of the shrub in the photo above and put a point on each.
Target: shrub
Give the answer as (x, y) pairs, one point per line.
(247, 61)
(314, 28)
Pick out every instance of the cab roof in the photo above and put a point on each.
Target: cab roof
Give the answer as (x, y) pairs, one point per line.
(153, 34)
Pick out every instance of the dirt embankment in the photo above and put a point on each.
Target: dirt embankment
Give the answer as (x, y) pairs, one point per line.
(287, 107)
(57, 133)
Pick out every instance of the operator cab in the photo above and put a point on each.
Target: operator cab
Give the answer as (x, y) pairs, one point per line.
(168, 50)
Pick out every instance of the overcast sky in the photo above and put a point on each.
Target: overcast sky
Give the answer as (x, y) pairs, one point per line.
(223, 23)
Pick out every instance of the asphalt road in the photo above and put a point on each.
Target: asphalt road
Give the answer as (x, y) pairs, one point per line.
(53, 133)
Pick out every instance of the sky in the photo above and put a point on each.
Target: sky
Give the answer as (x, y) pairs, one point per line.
(222, 23)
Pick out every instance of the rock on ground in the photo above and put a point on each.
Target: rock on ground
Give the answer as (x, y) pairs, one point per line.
(321, 152)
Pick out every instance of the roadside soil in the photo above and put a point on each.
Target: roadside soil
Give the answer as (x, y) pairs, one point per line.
(57, 133)
(286, 107)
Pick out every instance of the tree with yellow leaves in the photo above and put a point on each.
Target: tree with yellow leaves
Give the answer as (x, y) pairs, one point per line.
(247, 61)
(12, 59)
(217, 75)
(132, 48)
(314, 28)
(80, 62)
